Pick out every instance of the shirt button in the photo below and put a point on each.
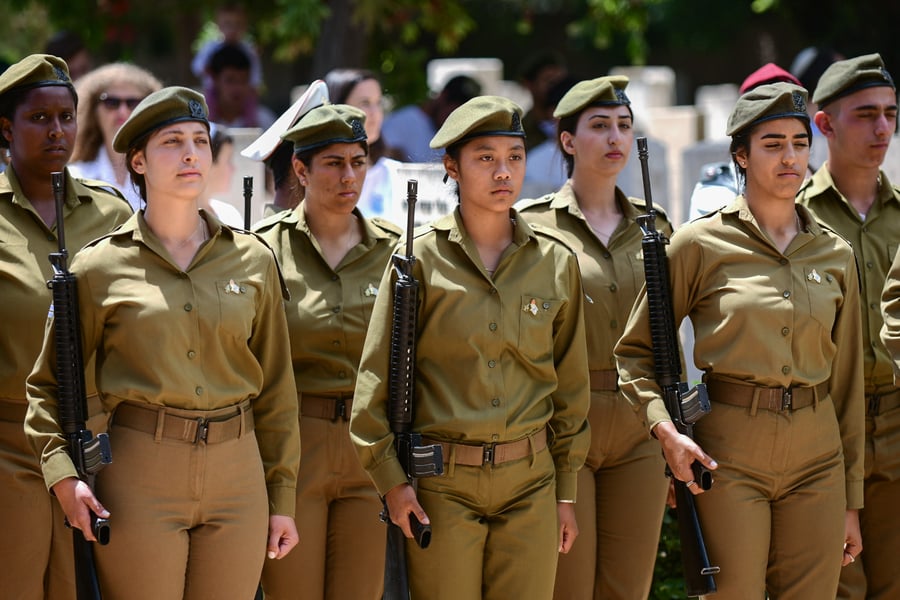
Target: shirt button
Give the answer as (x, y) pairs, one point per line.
(492, 363)
(612, 287)
(869, 264)
(786, 294)
(607, 255)
(50, 238)
(873, 306)
(614, 324)
(336, 309)
(492, 327)
(782, 261)
(334, 277)
(191, 354)
(492, 291)
(495, 402)
(546, 305)
(785, 369)
(336, 343)
(785, 331)
(188, 307)
(198, 390)
(342, 374)
(495, 437)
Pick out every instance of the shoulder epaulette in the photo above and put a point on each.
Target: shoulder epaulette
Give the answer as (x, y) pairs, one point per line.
(385, 225)
(641, 205)
(102, 186)
(523, 205)
(271, 220)
(552, 234)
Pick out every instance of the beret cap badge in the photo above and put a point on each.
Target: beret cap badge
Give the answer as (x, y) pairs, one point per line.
(516, 124)
(799, 101)
(357, 127)
(196, 109)
(61, 75)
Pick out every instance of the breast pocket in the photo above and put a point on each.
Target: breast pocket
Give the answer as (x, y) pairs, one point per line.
(824, 295)
(237, 307)
(367, 295)
(536, 317)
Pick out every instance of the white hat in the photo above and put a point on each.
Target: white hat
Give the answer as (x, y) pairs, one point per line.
(263, 147)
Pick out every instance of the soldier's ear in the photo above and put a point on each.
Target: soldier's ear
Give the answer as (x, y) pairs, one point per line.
(823, 121)
(300, 170)
(451, 167)
(137, 162)
(6, 129)
(565, 139)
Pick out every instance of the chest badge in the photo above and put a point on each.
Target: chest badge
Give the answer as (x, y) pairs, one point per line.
(232, 288)
(531, 307)
(370, 290)
(814, 276)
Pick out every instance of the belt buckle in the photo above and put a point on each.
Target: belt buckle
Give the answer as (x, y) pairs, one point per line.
(786, 398)
(488, 456)
(202, 430)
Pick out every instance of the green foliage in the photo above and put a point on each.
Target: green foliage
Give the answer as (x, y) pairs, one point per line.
(292, 27)
(24, 29)
(602, 22)
(668, 581)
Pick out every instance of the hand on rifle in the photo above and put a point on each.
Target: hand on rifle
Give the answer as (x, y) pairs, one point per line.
(680, 452)
(78, 501)
(283, 536)
(401, 501)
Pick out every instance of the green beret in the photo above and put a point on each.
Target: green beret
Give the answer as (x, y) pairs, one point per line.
(36, 70)
(844, 77)
(480, 116)
(603, 91)
(773, 101)
(325, 125)
(164, 107)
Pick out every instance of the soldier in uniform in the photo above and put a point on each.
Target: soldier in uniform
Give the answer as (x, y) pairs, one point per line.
(501, 379)
(773, 298)
(38, 126)
(332, 258)
(857, 117)
(617, 548)
(186, 319)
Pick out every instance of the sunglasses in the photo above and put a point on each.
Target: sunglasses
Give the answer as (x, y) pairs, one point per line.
(114, 102)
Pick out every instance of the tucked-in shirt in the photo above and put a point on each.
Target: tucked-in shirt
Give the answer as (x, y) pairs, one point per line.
(26, 243)
(497, 358)
(875, 240)
(612, 273)
(761, 316)
(330, 309)
(203, 338)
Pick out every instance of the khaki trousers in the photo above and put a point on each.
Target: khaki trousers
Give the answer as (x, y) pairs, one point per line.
(774, 519)
(495, 532)
(37, 552)
(187, 520)
(621, 500)
(342, 540)
(874, 574)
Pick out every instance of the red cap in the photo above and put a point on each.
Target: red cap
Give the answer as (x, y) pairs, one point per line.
(768, 73)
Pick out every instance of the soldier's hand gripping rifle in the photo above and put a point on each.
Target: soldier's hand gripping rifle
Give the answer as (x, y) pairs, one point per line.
(685, 405)
(90, 454)
(417, 459)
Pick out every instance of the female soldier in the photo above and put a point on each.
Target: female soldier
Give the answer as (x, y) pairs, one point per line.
(622, 489)
(108, 95)
(501, 379)
(361, 88)
(774, 301)
(186, 320)
(333, 258)
(38, 126)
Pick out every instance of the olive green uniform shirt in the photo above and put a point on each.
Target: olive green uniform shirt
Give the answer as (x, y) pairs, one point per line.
(497, 359)
(26, 242)
(875, 240)
(205, 338)
(332, 307)
(763, 317)
(613, 274)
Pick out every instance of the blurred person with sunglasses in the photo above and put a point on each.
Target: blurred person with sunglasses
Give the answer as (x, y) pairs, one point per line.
(107, 96)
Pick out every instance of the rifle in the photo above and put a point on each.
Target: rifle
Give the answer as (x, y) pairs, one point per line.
(89, 454)
(685, 405)
(417, 460)
(248, 196)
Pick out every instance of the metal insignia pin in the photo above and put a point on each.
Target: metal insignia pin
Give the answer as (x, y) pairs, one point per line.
(196, 109)
(531, 307)
(516, 124)
(370, 290)
(357, 128)
(232, 288)
(799, 103)
(813, 276)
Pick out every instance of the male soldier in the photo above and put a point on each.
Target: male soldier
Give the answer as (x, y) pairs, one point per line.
(858, 115)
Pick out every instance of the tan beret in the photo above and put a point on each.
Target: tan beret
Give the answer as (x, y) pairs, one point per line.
(164, 107)
(325, 125)
(772, 101)
(845, 77)
(480, 116)
(36, 70)
(602, 91)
